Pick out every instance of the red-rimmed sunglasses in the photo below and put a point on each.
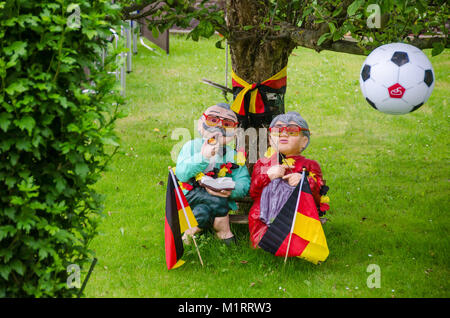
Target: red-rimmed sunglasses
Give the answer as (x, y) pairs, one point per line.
(291, 130)
(212, 120)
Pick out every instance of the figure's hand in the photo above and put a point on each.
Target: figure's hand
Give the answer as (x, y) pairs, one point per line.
(209, 150)
(275, 172)
(222, 193)
(293, 179)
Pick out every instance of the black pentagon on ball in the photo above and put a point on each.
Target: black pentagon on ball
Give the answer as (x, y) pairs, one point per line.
(416, 107)
(365, 73)
(400, 58)
(371, 103)
(428, 79)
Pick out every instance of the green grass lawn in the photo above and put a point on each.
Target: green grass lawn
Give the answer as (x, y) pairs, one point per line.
(388, 178)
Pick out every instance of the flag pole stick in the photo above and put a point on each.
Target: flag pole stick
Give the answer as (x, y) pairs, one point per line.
(198, 251)
(185, 214)
(295, 215)
(87, 277)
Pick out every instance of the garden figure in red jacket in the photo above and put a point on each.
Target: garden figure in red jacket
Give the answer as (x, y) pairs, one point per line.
(275, 176)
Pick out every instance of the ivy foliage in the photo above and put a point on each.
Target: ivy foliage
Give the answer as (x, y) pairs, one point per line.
(58, 106)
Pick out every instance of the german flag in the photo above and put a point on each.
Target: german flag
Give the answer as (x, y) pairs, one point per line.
(308, 239)
(179, 218)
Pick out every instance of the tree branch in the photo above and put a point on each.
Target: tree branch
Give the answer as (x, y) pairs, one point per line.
(309, 38)
(136, 7)
(358, 48)
(153, 7)
(426, 42)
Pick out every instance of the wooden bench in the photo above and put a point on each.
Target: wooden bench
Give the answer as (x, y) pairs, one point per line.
(241, 215)
(244, 204)
(239, 218)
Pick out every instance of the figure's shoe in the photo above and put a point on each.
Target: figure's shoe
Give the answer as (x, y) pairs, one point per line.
(230, 241)
(323, 220)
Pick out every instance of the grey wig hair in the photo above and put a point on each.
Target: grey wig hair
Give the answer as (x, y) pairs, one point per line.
(296, 118)
(222, 105)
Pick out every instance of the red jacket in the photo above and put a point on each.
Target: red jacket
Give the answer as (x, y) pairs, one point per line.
(260, 179)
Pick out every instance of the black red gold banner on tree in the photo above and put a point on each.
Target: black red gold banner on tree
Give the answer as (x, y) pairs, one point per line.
(256, 104)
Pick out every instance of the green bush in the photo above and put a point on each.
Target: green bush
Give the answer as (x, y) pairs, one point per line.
(56, 137)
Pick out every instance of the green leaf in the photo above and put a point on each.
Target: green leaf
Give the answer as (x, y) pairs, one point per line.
(332, 27)
(438, 48)
(205, 28)
(82, 169)
(18, 266)
(22, 144)
(28, 186)
(323, 37)
(10, 212)
(194, 35)
(42, 253)
(6, 254)
(10, 181)
(17, 87)
(26, 122)
(122, 113)
(18, 47)
(73, 128)
(60, 184)
(37, 139)
(351, 10)
(5, 121)
(307, 12)
(5, 230)
(13, 156)
(219, 44)
(110, 141)
(4, 271)
(90, 33)
(248, 27)
(337, 12)
(339, 34)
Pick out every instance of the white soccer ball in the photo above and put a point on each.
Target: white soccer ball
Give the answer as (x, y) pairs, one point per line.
(396, 78)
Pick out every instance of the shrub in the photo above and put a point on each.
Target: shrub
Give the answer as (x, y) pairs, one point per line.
(56, 137)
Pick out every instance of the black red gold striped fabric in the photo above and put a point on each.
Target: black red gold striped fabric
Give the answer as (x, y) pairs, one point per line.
(308, 238)
(172, 234)
(179, 218)
(276, 83)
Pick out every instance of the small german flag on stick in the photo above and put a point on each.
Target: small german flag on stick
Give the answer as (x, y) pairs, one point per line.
(179, 218)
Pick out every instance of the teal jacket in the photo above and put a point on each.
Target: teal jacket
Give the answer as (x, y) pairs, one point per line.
(190, 162)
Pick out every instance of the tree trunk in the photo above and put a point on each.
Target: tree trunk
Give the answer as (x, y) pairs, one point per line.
(255, 59)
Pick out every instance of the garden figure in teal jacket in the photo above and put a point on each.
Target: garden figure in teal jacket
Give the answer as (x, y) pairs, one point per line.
(210, 156)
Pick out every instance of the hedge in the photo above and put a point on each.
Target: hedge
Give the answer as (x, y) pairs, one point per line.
(56, 137)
